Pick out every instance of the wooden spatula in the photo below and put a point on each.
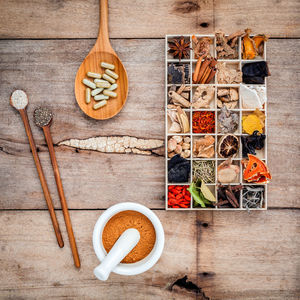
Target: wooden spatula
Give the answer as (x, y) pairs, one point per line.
(102, 52)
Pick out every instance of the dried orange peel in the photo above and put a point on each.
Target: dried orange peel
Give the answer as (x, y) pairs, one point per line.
(255, 170)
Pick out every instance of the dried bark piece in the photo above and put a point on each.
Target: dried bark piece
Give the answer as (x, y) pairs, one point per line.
(201, 46)
(227, 75)
(227, 46)
(204, 147)
(203, 96)
(113, 144)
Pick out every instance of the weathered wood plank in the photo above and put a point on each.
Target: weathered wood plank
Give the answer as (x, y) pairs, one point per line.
(79, 19)
(249, 256)
(146, 19)
(277, 18)
(46, 70)
(34, 267)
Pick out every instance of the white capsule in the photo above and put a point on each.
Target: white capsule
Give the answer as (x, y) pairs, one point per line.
(110, 93)
(112, 74)
(87, 95)
(106, 65)
(93, 75)
(96, 91)
(101, 97)
(88, 83)
(113, 87)
(99, 104)
(104, 85)
(99, 80)
(108, 78)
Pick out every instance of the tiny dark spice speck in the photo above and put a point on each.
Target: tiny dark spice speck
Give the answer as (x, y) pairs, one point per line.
(42, 116)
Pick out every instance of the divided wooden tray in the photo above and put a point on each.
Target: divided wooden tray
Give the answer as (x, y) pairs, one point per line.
(262, 154)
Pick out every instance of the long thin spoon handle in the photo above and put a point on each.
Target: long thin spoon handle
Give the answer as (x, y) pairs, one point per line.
(55, 224)
(103, 30)
(63, 201)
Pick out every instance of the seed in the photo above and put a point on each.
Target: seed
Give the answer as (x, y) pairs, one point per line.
(96, 91)
(42, 116)
(99, 104)
(103, 84)
(106, 65)
(88, 95)
(108, 78)
(110, 93)
(112, 74)
(101, 97)
(113, 87)
(93, 75)
(88, 83)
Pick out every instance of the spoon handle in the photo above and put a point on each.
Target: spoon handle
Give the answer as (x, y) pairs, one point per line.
(63, 201)
(103, 37)
(55, 224)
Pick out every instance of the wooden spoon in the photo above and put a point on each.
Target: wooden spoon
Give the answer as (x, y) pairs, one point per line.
(102, 51)
(24, 116)
(43, 119)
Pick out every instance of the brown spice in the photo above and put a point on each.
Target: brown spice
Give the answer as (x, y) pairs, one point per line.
(123, 221)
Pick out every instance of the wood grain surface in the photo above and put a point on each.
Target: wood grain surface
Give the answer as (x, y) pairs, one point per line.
(142, 117)
(48, 272)
(146, 18)
(225, 255)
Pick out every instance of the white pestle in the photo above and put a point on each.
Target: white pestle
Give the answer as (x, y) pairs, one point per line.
(125, 243)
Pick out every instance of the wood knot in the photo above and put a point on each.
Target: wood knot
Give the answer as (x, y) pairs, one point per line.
(204, 24)
(186, 7)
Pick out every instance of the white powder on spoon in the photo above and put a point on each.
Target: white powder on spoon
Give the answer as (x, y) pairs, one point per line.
(19, 99)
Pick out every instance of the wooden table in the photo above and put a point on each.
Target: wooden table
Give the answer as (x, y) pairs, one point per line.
(225, 255)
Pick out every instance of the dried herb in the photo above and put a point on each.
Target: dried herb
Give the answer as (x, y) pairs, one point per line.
(253, 196)
(255, 72)
(204, 170)
(179, 48)
(178, 169)
(178, 74)
(228, 120)
(228, 196)
(227, 46)
(228, 97)
(201, 194)
(201, 46)
(253, 142)
(203, 122)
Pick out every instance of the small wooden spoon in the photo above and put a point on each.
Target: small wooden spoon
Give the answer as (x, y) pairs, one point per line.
(102, 51)
(22, 110)
(43, 118)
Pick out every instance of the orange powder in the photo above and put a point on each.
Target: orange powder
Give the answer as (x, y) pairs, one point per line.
(123, 221)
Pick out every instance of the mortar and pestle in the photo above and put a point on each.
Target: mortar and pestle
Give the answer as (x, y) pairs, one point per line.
(128, 240)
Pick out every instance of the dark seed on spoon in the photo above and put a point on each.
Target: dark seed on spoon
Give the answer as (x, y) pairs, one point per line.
(42, 116)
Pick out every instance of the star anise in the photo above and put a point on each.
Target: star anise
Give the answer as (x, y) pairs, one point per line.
(179, 48)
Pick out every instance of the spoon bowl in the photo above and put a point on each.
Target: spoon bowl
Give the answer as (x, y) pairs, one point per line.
(102, 52)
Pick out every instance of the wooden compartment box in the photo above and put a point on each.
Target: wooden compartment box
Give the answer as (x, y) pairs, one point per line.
(190, 63)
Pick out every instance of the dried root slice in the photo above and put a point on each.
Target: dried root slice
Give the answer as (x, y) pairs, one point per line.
(183, 120)
(227, 172)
